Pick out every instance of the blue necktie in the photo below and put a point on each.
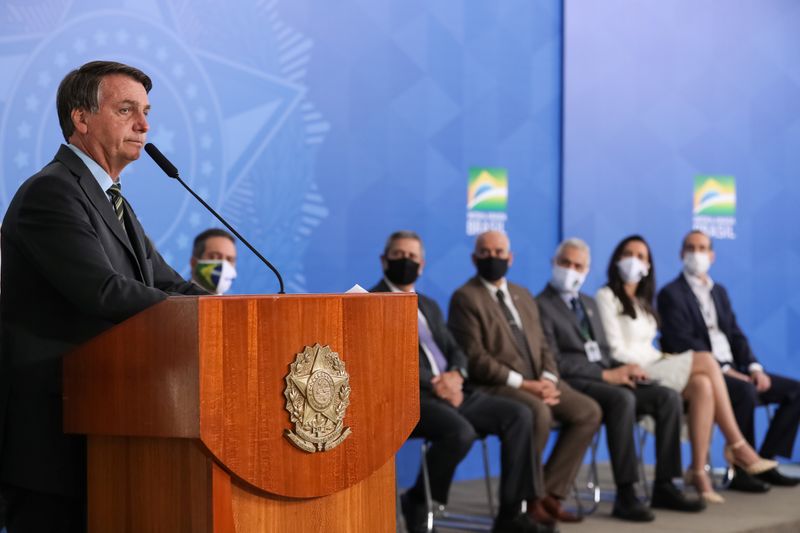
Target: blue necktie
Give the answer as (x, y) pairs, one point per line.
(426, 338)
(583, 322)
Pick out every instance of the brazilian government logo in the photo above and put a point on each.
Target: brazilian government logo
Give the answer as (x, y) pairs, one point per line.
(317, 395)
(714, 206)
(487, 200)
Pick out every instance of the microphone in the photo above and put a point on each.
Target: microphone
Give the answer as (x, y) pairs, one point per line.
(171, 171)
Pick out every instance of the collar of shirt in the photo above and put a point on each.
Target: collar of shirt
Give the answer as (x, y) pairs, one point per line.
(567, 296)
(492, 288)
(393, 287)
(698, 284)
(102, 177)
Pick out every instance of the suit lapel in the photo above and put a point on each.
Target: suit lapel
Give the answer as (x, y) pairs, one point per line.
(694, 304)
(137, 239)
(567, 314)
(97, 197)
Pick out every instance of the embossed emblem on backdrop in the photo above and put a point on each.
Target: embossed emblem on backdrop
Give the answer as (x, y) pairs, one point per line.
(714, 210)
(317, 395)
(229, 115)
(487, 200)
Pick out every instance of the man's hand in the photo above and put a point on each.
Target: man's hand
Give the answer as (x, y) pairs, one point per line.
(760, 380)
(625, 375)
(736, 374)
(448, 387)
(542, 388)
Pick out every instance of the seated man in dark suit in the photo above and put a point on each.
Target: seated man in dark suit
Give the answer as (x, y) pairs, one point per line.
(573, 329)
(452, 415)
(696, 314)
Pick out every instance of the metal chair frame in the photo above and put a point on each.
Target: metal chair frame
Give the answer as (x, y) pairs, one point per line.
(439, 516)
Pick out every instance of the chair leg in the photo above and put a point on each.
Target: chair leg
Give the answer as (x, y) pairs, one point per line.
(427, 483)
(487, 474)
(641, 437)
(592, 484)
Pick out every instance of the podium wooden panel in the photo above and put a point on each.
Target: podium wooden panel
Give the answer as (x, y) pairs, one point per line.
(183, 407)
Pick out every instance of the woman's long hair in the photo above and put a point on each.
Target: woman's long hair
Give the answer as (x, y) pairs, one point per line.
(645, 290)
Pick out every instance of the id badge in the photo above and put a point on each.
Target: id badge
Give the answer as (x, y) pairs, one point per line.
(593, 351)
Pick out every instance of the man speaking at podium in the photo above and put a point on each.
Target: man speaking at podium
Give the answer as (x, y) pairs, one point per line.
(76, 261)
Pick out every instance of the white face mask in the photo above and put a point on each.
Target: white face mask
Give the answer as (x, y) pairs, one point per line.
(215, 275)
(632, 269)
(567, 279)
(696, 263)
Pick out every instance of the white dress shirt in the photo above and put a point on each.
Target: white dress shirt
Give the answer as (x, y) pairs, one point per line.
(514, 378)
(423, 323)
(720, 346)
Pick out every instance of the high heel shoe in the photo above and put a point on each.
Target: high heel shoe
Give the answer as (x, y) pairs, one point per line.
(759, 466)
(709, 496)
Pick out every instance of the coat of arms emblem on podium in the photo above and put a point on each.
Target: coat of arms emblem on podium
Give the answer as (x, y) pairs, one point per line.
(317, 395)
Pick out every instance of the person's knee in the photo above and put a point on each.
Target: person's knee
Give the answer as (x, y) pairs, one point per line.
(700, 387)
(521, 415)
(590, 413)
(463, 437)
(541, 419)
(669, 401)
(622, 404)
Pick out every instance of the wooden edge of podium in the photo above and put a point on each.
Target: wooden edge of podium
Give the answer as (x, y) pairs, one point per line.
(174, 485)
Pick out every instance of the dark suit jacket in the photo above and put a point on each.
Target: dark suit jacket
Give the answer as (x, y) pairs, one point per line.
(563, 334)
(479, 326)
(683, 327)
(69, 271)
(441, 335)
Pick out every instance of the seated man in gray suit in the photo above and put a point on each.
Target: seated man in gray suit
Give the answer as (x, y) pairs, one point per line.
(573, 329)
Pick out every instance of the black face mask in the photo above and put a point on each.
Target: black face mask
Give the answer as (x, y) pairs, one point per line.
(492, 268)
(403, 271)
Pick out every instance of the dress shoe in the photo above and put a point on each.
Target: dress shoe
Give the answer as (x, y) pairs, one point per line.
(775, 478)
(539, 513)
(744, 482)
(667, 496)
(634, 511)
(415, 514)
(553, 507)
(522, 523)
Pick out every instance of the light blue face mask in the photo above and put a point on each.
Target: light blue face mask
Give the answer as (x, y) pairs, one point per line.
(215, 275)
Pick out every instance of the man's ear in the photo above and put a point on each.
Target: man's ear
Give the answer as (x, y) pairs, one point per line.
(79, 120)
(510, 258)
(192, 263)
(384, 264)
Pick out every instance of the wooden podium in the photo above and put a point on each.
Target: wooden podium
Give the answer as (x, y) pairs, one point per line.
(185, 414)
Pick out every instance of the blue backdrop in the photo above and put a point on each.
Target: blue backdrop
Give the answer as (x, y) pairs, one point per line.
(319, 127)
(659, 92)
(316, 127)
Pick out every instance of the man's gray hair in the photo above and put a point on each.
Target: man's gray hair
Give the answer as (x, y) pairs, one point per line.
(403, 234)
(574, 242)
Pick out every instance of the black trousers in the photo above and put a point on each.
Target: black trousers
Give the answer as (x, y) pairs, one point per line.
(37, 512)
(452, 431)
(785, 392)
(621, 406)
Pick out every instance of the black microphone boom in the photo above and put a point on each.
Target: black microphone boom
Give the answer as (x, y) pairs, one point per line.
(171, 171)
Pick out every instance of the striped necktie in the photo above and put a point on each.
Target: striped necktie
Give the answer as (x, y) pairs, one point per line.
(115, 192)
